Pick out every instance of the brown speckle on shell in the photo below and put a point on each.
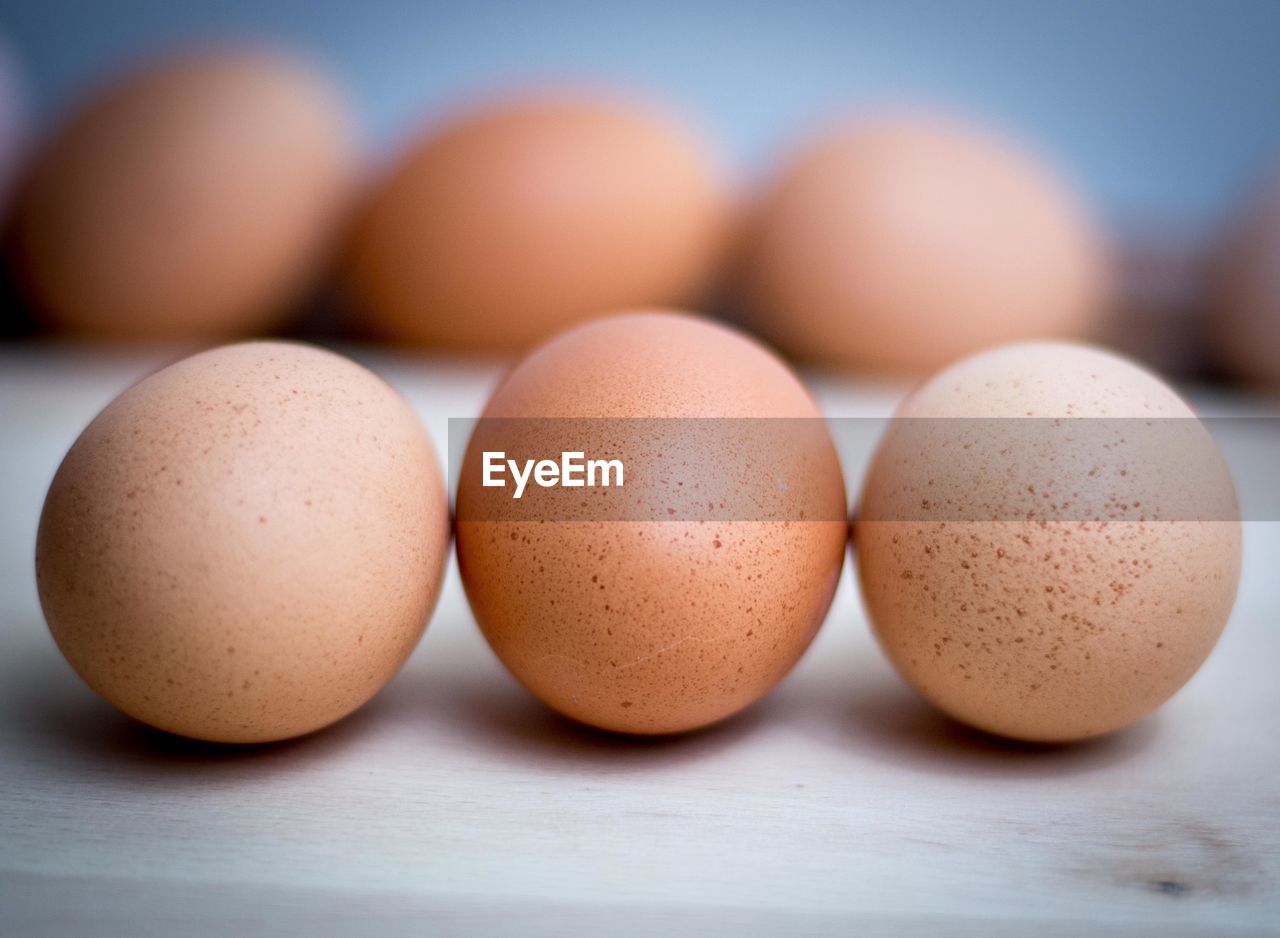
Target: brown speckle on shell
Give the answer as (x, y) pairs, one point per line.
(225, 609)
(654, 626)
(1039, 617)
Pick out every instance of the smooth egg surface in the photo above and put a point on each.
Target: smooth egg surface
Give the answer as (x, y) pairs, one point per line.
(195, 198)
(899, 243)
(518, 219)
(1245, 321)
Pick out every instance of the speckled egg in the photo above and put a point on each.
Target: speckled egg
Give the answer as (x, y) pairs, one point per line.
(702, 592)
(245, 546)
(1048, 541)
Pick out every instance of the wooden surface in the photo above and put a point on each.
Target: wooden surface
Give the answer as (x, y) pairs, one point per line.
(456, 804)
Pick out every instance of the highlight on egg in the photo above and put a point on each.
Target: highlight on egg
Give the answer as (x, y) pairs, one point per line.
(516, 219)
(1048, 541)
(245, 546)
(901, 241)
(196, 197)
(672, 596)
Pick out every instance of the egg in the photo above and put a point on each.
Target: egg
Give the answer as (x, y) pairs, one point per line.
(1048, 541)
(12, 121)
(900, 242)
(194, 198)
(1245, 315)
(518, 219)
(694, 597)
(245, 546)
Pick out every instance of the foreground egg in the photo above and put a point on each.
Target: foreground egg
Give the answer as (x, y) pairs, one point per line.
(522, 218)
(245, 546)
(705, 586)
(196, 198)
(900, 243)
(1048, 542)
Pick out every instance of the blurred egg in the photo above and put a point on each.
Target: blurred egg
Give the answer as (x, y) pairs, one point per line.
(1160, 276)
(1245, 319)
(194, 198)
(12, 122)
(245, 546)
(899, 243)
(520, 219)
(14, 318)
(1048, 542)
(672, 615)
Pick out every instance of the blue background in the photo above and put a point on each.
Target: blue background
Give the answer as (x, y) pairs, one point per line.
(1162, 111)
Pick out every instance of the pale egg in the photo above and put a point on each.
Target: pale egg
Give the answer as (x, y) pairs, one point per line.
(899, 243)
(1048, 541)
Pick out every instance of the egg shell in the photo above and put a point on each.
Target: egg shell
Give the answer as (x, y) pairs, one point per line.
(1059, 588)
(520, 218)
(245, 546)
(900, 242)
(644, 626)
(196, 197)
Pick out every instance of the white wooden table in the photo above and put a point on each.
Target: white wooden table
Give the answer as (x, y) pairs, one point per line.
(454, 803)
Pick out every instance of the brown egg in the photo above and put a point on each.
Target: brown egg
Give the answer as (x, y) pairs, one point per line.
(515, 221)
(13, 121)
(1158, 317)
(246, 545)
(1048, 541)
(1245, 320)
(665, 615)
(192, 199)
(900, 243)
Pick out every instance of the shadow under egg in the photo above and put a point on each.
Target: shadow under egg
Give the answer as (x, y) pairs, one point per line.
(493, 713)
(74, 729)
(873, 714)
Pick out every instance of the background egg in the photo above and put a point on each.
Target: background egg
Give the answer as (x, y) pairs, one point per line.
(517, 220)
(658, 626)
(13, 120)
(192, 199)
(899, 243)
(246, 545)
(1040, 575)
(1245, 319)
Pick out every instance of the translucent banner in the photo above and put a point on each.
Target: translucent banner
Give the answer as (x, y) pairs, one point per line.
(1111, 470)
